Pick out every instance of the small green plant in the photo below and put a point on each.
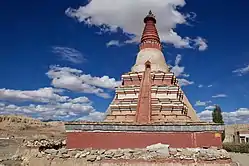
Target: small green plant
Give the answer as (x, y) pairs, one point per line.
(217, 118)
(236, 147)
(217, 115)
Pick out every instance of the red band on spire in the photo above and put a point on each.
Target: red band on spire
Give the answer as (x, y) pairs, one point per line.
(150, 37)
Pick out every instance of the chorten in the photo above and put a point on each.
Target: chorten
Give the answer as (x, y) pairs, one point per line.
(150, 93)
(148, 108)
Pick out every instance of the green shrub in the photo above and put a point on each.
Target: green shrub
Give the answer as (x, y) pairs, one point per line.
(223, 135)
(236, 147)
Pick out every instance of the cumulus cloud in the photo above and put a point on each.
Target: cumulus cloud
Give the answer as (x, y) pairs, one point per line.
(240, 116)
(47, 103)
(205, 115)
(113, 43)
(74, 80)
(68, 54)
(242, 71)
(219, 96)
(50, 103)
(43, 95)
(80, 100)
(176, 69)
(57, 111)
(202, 103)
(201, 44)
(128, 15)
(73, 109)
(211, 107)
(184, 82)
(93, 116)
(179, 72)
(209, 86)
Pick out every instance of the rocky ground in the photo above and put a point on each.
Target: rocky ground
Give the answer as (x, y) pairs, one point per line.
(53, 152)
(20, 127)
(25, 141)
(15, 130)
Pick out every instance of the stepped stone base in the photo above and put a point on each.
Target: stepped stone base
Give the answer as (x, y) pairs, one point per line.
(114, 136)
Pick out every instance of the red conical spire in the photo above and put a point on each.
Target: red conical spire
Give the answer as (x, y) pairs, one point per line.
(150, 37)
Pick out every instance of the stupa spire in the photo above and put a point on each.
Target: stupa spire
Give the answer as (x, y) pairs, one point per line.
(150, 37)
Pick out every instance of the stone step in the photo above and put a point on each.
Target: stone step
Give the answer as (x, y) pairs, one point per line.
(166, 113)
(124, 112)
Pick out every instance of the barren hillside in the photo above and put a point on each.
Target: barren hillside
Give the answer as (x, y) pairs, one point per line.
(26, 127)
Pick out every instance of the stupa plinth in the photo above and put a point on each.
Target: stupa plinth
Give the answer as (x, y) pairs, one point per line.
(149, 107)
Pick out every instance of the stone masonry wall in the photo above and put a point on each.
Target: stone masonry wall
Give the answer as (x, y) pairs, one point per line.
(48, 153)
(156, 154)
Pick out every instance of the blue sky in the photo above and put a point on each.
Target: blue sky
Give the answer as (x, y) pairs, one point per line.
(62, 59)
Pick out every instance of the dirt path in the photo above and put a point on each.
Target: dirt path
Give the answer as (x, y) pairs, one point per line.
(8, 148)
(241, 158)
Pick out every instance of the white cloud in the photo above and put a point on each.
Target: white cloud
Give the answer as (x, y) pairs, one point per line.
(211, 107)
(191, 16)
(113, 43)
(46, 103)
(49, 111)
(200, 86)
(75, 80)
(201, 44)
(68, 54)
(103, 82)
(202, 103)
(93, 116)
(239, 116)
(178, 59)
(184, 82)
(74, 109)
(219, 96)
(80, 100)
(242, 71)
(185, 75)
(205, 115)
(128, 15)
(179, 72)
(43, 95)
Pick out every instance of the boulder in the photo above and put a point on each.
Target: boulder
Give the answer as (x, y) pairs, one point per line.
(91, 158)
(63, 151)
(51, 151)
(161, 149)
(77, 155)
